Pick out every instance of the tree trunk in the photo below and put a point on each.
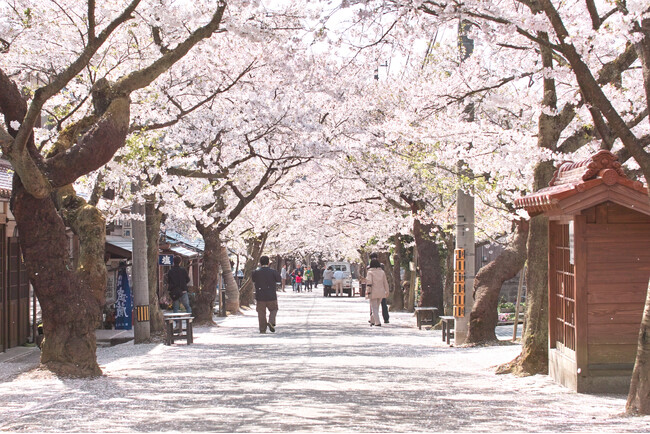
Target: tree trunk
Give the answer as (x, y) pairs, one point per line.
(153, 221)
(397, 304)
(69, 345)
(429, 264)
(203, 307)
(413, 283)
(487, 286)
(254, 249)
(638, 399)
(534, 352)
(232, 291)
(448, 292)
(384, 259)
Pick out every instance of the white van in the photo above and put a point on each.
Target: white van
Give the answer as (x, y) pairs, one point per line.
(346, 268)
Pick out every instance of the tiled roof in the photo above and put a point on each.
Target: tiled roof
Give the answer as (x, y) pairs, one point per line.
(602, 170)
(124, 243)
(175, 237)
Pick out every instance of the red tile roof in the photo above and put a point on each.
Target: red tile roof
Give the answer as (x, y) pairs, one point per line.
(570, 179)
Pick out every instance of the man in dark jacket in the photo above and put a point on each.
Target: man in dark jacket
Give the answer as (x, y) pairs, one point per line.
(177, 280)
(265, 279)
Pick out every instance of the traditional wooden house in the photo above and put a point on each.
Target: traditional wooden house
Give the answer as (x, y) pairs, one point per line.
(17, 305)
(191, 252)
(599, 266)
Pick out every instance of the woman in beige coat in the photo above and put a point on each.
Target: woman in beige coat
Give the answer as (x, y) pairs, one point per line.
(376, 289)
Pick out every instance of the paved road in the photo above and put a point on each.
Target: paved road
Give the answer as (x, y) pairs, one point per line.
(325, 369)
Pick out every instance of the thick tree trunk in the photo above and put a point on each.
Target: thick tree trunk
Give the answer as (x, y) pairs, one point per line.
(397, 304)
(203, 307)
(254, 249)
(69, 345)
(534, 353)
(487, 286)
(232, 291)
(153, 221)
(429, 264)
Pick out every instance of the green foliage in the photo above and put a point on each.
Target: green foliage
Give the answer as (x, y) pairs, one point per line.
(142, 149)
(510, 307)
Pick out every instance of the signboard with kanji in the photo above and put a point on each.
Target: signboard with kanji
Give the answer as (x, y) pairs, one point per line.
(166, 260)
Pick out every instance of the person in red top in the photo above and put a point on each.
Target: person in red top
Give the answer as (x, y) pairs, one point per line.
(298, 282)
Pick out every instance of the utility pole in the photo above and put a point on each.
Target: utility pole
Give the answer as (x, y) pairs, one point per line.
(465, 240)
(465, 215)
(142, 328)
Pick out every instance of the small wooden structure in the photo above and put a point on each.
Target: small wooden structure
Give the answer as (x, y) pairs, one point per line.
(178, 326)
(426, 316)
(599, 265)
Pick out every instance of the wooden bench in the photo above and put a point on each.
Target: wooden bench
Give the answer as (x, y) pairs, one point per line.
(426, 316)
(172, 333)
(447, 328)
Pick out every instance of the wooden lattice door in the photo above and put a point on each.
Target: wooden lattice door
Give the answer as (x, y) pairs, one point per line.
(562, 288)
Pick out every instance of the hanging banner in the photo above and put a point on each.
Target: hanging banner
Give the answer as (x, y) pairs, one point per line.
(123, 303)
(166, 260)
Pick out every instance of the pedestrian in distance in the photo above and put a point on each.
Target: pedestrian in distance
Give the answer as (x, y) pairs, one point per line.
(317, 274)
(265, 279)
(283, 275)
(376, 289)
(308, 278)
(177, 280)
(328, 276)
(338, 282)
(298, 282)
(384, 302)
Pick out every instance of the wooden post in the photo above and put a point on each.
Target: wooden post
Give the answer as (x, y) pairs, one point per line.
(413, 282)
(465, 239)
(518, 304)
(140, 277)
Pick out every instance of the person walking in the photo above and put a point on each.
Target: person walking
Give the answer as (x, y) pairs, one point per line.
(328, 275)
(298, 282)
(338, 282)
(384, 302)
(177, 280)
(309, 278)
(376, 289)
(317, 274)
(283, 276)
(265, 279)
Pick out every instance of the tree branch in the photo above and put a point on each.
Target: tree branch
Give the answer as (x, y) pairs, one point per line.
(144, 77)
(184, 112)
(41, 95)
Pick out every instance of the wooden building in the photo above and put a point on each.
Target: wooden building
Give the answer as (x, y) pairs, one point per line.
(599, 266)
(17, 306)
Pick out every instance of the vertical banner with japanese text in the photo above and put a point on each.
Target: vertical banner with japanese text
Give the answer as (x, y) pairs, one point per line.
(123, 302)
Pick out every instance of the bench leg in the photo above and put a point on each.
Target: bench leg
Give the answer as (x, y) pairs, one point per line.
(169, 329)
(444, 330)
(190, 333)
(419, 320)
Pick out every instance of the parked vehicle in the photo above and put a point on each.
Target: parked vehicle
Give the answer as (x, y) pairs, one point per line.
(346, 268)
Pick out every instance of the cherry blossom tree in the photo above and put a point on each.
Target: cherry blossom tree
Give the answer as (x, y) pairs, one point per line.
(83, 62)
